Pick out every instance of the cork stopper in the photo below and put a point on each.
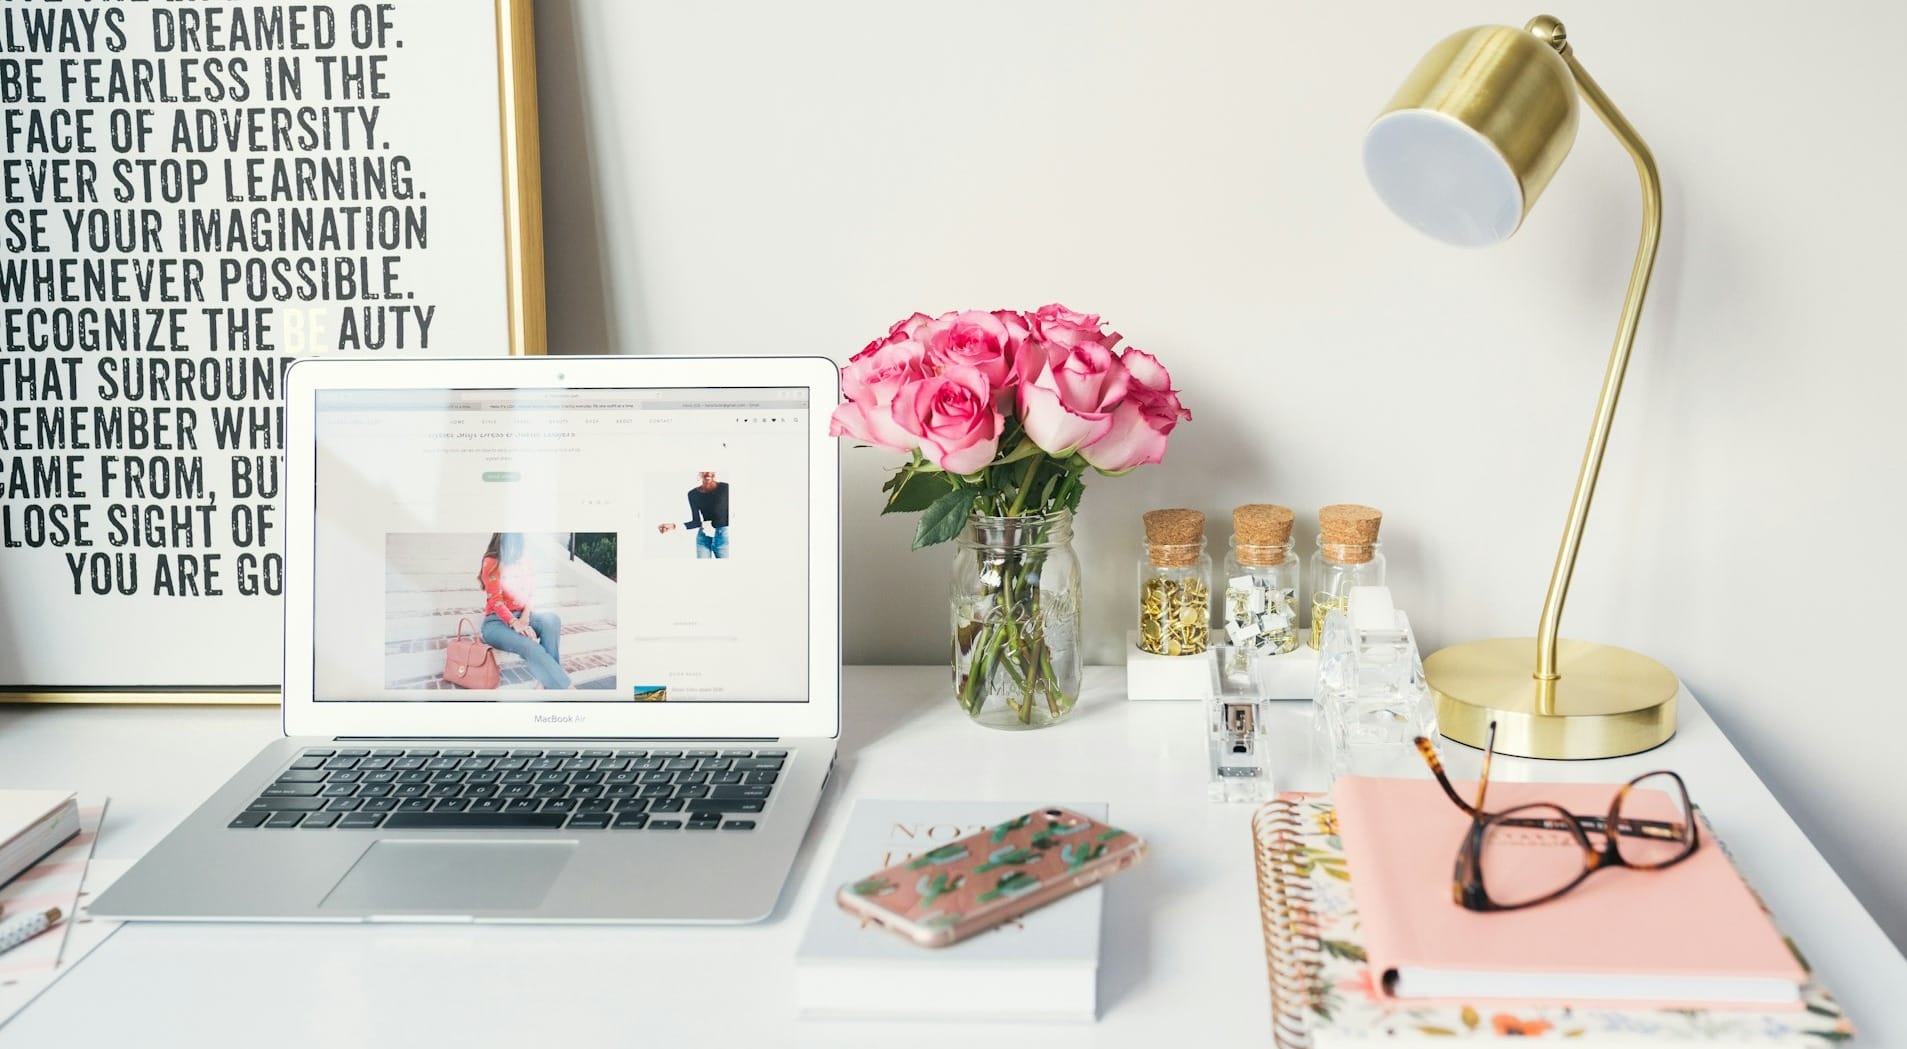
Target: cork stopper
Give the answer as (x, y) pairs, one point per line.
(1173, 536)
(1347, 532)
(1260, 533)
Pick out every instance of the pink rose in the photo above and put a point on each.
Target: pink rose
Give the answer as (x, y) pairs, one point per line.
(1019, 336)
(1067, 395)
(1059, 326)
(900, 331)
(975, 339)
(955, 416)
(907, 327)
(1142, 421)
(871, 382)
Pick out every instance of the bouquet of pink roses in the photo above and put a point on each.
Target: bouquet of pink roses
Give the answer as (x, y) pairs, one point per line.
(1002, 414)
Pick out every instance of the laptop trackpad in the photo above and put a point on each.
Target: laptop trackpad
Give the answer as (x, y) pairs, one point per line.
(450, 877)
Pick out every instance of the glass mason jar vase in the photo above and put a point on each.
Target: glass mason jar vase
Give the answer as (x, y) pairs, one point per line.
(1015, 605)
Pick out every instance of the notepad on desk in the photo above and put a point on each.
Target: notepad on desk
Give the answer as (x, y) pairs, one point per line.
(1692, 935)
(32, 824)
(66, 878)
(1323, 954)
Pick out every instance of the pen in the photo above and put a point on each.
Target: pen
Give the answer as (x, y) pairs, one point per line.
(19, 930)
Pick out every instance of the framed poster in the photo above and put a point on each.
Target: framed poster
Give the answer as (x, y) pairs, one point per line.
(192, 195)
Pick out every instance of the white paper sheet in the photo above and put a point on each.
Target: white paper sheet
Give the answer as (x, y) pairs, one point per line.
(66, 879)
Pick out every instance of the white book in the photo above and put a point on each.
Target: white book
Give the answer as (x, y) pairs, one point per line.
(32, 824)
(1044, 966)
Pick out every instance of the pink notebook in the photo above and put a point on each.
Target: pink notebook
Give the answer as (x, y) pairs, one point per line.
(1690, 936)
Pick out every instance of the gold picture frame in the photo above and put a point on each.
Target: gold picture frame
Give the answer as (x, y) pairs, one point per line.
(520, 165)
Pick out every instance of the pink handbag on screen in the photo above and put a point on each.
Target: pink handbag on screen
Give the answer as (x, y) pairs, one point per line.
(468, 662)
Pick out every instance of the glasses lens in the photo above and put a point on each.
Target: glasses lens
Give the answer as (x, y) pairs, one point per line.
(1529, 854)
(1654, 824)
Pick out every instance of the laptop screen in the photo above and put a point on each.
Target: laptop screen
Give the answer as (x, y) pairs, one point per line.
(561, 545)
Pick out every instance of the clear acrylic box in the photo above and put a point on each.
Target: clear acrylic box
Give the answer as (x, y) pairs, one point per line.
(1372, 701)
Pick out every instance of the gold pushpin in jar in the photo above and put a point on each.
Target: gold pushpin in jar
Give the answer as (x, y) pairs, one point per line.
(1347, 556)
(1175, 588)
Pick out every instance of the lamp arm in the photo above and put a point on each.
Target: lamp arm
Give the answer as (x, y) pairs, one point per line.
(1625, 133)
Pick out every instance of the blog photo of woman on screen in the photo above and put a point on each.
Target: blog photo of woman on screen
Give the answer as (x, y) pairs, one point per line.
(510, 623)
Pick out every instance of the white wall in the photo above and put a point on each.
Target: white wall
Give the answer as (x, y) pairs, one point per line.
(791, 177)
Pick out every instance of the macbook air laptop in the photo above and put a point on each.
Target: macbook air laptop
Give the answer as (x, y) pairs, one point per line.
(562, 644)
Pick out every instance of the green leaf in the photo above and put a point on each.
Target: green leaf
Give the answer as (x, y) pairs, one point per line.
(1347, 950)
(1025, 449)
(943, 519)
(917, 492)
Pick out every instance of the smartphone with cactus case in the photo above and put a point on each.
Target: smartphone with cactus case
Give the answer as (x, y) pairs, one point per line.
(973, 883)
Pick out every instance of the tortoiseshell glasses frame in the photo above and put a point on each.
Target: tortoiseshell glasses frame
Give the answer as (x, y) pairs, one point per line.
(1469, 887)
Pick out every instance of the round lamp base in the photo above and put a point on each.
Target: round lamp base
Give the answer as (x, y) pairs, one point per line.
(1608, 701)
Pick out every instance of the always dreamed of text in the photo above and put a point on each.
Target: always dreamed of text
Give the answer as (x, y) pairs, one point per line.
(192, 196)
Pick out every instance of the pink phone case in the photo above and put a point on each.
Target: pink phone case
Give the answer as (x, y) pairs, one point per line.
(977, 882)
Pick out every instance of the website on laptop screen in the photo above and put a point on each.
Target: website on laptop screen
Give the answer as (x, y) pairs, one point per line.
(605, 545)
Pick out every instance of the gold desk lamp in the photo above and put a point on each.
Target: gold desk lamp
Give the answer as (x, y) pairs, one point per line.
(1461, 153)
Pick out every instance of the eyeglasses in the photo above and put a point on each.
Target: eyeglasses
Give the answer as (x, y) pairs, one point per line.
(1523, 856)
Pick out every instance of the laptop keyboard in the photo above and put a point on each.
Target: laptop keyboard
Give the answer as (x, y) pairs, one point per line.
(428, 788)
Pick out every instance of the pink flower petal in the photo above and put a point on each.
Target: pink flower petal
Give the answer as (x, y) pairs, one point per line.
(1130, 442)
(1057, 431)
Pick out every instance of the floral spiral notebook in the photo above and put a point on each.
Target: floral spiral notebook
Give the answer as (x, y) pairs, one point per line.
(1322, 995)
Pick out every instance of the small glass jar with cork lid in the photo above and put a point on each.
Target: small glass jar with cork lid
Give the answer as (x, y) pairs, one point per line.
(1261, 585)
(1348, 555)
(1175, 584)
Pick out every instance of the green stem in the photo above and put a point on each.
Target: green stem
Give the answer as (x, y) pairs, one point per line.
(1022, 649)
(1051, 676)
(973, 690)
(1026, 483)
(1010, 583)
(973, 687)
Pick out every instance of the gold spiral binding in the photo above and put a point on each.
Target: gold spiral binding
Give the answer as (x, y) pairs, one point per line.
(1293, 956)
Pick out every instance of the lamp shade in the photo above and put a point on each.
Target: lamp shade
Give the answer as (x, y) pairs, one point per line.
(1474, 134)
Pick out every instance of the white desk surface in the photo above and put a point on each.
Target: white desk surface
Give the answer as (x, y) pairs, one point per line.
(1181, 947)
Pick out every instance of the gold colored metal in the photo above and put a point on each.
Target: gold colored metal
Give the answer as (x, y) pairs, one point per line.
(1606, 701)
(1175, 616)
(148, 697)
(1507, 86)
(1551, 621)
(523, 288)
(522, 176)
(1581, 700)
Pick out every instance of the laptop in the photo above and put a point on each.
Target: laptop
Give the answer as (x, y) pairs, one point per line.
(562, 644)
